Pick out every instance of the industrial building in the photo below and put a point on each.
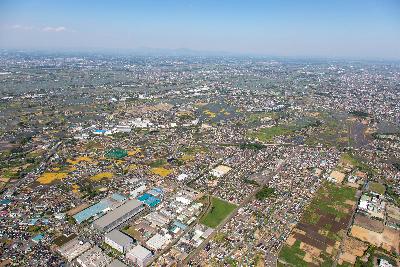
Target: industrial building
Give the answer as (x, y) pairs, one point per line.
(94, 257)
(118, 240)
(73, 249)
(116, 217)
(139, 255)
(100, 208)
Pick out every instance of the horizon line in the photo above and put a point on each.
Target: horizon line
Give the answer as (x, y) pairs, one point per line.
(151, 51)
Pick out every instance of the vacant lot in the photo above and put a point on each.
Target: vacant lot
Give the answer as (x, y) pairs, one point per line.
(389, 239)
(219, 210)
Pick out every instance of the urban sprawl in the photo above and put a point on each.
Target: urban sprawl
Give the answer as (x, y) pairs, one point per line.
(113, 160)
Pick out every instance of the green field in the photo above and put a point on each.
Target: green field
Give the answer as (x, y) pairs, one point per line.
(376, 188)
(219, 210)
(267, 134)
(329, 199)
(292, 256)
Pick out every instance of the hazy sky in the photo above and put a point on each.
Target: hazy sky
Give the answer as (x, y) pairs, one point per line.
(327, 28)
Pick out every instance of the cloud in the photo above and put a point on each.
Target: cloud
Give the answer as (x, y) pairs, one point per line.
(19, 27)
(22, 27)
(54, 29)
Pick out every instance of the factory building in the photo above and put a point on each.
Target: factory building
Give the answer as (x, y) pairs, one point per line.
(94, 257)
(118, 240)
(73, 248)
(139, 255)
(116, 217)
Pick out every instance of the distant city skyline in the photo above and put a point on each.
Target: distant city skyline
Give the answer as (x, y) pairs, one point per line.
(367, 29)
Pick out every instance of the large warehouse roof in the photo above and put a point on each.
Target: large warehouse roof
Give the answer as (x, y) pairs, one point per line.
(118, 213)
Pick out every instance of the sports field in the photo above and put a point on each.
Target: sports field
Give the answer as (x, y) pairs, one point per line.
(219, 210)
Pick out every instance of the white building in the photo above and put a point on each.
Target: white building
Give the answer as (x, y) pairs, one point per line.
(118, 240)
(157, 241)
(139, 255)
(182, 177)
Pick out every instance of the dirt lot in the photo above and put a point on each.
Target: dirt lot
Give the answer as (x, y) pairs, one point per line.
(352, 248)
(368, 223)
(389, 239)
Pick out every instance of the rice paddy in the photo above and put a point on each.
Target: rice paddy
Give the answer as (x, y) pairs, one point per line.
(134, 151)
(101, 176)
(49, 177)
(79, 160)
(161, 171)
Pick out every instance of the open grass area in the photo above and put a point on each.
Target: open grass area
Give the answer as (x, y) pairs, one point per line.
(351, 159)
(258, 117)
(219, 210)
(267, 134)
(292, 255)
(131, 231)
(158, 163)
(49, 177)
(265, 192)
(377, 188)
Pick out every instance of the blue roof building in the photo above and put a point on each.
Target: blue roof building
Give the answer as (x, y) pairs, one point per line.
(93, 210)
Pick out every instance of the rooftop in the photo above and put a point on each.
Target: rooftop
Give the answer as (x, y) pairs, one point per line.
(119, 237)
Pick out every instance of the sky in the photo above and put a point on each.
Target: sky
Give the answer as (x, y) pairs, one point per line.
(293, 28)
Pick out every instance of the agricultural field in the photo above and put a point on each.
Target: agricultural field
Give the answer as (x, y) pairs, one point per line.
(101, 176)
(267, 134)
(163, 172)
(49, 177)
(79, 159)
(317, 237)
(218, 211)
